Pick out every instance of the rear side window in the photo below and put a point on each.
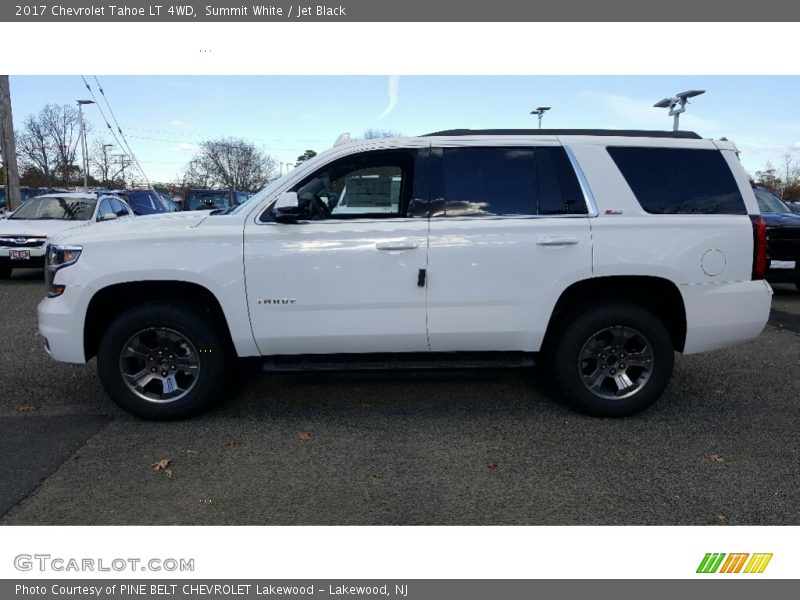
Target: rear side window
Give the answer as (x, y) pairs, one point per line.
(679, 180)
(515, 181)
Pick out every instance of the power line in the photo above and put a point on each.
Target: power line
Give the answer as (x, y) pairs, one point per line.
(124, 144)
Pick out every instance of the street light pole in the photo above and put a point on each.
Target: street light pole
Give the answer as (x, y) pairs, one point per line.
(539, 112)
(677, 105)
(83, 144)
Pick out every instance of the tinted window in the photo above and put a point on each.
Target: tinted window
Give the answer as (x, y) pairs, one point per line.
(208, 200)
(509, 181)
(679, 180)
(143, 203)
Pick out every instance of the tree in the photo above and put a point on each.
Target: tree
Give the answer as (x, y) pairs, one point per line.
(372, 134)
(768, 178)
(304, 157)
(109, 168)
(49, 142)
(231, 163)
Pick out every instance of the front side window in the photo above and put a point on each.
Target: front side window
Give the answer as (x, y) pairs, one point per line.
(104, 210)
(371, 185)
(514, 181)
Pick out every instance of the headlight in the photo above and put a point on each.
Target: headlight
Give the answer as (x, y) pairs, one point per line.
(57, 257)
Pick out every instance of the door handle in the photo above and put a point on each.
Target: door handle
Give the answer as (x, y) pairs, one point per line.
(556, 241)
(397, 245)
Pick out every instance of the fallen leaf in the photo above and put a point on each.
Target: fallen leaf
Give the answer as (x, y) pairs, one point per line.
(231, 443)
(494, 447)
(715, 458)
(766, 364)
(722, 518)
(190, 451)
(28, 408)
(490, 464)
(163, 465)
(305, 436)
(378, 475)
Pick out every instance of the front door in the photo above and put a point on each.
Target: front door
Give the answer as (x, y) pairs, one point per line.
(345, 277)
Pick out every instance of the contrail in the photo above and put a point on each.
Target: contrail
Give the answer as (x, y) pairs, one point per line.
(394, 95)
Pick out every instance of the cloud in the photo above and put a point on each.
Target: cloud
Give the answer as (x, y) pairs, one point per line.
(178, 124)
(186, 148)
(394, 95)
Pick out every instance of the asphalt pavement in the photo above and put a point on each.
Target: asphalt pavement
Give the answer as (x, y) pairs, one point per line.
(493, 447)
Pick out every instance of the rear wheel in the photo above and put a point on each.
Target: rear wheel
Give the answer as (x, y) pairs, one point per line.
(164, 361)
(614, 360)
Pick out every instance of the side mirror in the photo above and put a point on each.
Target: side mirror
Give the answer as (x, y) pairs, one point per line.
(287, 208)
(107, 217)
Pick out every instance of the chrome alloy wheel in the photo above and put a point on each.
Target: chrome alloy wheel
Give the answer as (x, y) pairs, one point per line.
(616, 362)
(159, 365)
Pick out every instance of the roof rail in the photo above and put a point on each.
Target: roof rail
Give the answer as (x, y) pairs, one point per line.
(690, 135)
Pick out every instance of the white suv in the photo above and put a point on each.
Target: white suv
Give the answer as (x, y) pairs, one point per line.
(599, 252)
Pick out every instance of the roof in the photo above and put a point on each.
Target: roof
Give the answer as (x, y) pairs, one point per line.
(75, 195)
(690, 135)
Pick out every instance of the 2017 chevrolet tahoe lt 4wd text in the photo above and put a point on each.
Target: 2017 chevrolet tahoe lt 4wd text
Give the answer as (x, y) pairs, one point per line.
(600, 253)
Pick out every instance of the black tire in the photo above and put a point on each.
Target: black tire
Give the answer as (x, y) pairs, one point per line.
(5, 272)
(575, 360)
(168, 327)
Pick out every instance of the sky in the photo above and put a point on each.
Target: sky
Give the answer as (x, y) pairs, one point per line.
(165, 117)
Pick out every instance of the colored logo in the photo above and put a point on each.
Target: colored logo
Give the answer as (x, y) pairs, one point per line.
(719, 562)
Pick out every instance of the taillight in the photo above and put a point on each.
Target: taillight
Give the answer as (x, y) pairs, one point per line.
(759, 247)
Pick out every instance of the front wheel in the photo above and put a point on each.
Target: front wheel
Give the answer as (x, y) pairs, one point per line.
(614, 360)
(163, 361)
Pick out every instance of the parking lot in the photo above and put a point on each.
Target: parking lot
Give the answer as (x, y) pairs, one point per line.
(493, 447)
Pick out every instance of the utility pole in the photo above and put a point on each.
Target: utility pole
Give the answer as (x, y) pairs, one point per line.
(122, 165)
(9, 146)
(83, 144)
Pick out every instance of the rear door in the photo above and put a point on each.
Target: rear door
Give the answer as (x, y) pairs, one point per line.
(510, 232)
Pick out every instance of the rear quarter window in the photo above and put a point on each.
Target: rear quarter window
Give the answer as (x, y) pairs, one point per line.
(679, 180)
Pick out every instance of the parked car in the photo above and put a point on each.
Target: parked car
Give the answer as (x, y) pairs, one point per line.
(143, 202)
(794, 205)
(783, 232)
(213, 199)
(24, 232)
(597, 253)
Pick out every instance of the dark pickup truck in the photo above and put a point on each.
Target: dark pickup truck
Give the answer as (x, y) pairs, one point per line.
(783, 238)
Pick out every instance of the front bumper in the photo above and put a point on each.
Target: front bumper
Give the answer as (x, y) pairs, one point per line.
(35, 260)
(61, 325)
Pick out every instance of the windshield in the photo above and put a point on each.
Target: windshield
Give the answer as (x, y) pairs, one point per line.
(62, 209)
(203, 200)
(770, 203)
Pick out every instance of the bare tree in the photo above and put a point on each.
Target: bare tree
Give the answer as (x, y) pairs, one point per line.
(371, 134)
(49, 142)
(231, 163)
(108, 166)
(790, 171)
